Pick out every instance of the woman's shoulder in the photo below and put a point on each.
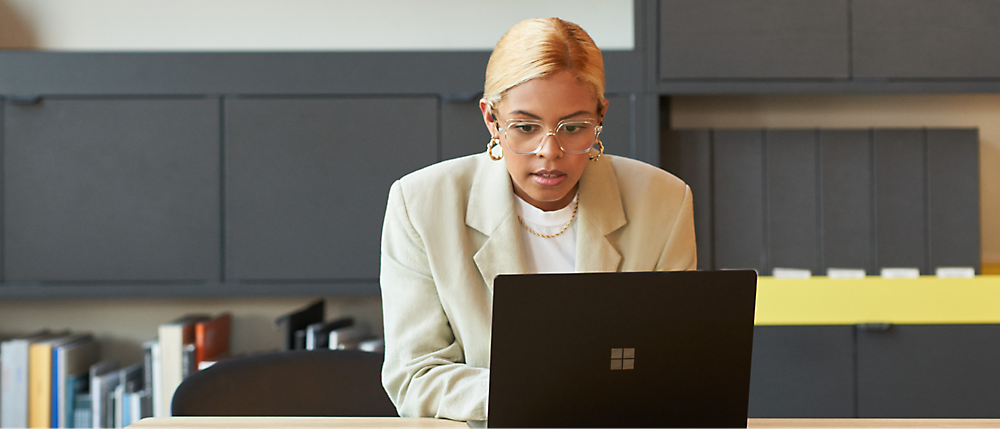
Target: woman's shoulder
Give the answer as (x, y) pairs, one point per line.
(436, 178)
(632, 174)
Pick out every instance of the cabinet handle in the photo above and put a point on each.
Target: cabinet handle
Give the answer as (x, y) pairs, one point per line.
(874, 327)
(24, 99)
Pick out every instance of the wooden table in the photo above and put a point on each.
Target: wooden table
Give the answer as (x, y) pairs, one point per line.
(396, 422)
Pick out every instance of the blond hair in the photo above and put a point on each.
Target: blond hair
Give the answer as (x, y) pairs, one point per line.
(537, 48)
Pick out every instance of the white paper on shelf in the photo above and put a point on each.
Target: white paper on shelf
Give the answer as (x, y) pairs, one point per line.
(846, 273)
(791, 273)
(900, 273)
(955, 272)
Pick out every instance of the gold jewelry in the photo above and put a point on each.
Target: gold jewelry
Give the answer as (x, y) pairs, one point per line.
(600, 146)
(564, 228)
(494, 142)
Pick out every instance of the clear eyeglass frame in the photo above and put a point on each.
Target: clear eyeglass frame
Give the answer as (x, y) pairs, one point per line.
(553, 133)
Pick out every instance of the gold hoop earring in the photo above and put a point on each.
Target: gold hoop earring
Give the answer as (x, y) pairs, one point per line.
(494, 142)
(600, 151)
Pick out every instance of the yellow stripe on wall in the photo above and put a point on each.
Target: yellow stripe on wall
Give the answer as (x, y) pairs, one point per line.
(923, 300)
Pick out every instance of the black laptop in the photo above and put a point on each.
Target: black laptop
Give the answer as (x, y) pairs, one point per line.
(641, 349)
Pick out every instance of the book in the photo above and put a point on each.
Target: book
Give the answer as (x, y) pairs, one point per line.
(318, 334)
(76, 387)
(173, 336)
(82, 409)
(375, 345)
(297, 321)
(103, 380)
(71, 361)
(152, 405)
(130, 374)
(40, 379)
(348, 337)
(14, 390)
(134, 389)
(188, 361)
(211, 338)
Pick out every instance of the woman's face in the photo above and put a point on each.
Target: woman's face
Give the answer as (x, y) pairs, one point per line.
(547, 179)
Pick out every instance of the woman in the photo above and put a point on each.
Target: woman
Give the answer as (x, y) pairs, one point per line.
(542, 199)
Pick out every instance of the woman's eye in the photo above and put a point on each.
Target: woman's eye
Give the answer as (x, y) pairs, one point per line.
(574, 128)
(526, 128)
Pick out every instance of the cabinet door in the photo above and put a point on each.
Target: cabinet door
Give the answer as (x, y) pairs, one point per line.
(929, 371)
(792, 204)
(846, 194)
(307, 181)
(753, 39)
(953, 197)
(925, 38)
(738, 200)
(802, 371)
(112, 189)
(900, 224)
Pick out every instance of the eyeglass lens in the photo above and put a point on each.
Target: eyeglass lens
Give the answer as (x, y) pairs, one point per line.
(573, 136)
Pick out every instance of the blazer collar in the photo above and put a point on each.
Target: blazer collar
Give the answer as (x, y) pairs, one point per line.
(491, 212)
(600, 214)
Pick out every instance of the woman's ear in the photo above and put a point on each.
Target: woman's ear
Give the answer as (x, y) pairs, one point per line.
(604, 109)
(488, 117)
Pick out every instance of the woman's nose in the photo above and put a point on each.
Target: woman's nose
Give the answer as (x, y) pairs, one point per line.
(550, 147)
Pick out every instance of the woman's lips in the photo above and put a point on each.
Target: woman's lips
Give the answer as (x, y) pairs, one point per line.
(548, 178)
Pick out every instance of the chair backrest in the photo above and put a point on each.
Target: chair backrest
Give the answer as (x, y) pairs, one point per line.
(290, 383)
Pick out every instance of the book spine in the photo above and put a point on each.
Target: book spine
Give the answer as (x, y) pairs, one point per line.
(156, 388)
(40, 385)
(54, 402)
(14, 405)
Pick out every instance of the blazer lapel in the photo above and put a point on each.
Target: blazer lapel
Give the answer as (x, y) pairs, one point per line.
(491, 212)
(600, 214)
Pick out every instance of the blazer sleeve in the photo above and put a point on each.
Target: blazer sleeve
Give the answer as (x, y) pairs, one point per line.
(680, 251)
(424, 372)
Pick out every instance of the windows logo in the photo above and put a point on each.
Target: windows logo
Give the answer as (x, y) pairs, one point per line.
(622, 359)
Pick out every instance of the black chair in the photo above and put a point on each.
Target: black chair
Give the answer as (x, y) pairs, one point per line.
(290, 383)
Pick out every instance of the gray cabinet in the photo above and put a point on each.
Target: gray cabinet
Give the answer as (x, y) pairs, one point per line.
(792, 203)
(845, 187)
(818, 199)
(900, 223)
(111, 190)
(953, 181)
(307, 181)
(754, 39)
(929, 371)
(738, 200)
(920, 39)
(802, 371)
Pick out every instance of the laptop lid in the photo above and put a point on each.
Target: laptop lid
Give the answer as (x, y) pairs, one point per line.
(638, 349)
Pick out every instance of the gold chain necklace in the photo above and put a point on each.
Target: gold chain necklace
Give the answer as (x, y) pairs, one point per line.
(564, 228)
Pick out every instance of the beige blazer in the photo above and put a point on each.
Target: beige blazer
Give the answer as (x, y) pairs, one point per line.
(451, 227)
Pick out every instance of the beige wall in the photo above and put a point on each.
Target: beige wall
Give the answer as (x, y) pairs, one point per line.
(122, 325)
(293, 25)
(862, 111)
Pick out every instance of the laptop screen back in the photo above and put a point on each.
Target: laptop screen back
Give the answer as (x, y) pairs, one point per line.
(642, 349)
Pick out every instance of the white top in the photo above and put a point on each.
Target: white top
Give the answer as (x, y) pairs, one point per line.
(548, 255)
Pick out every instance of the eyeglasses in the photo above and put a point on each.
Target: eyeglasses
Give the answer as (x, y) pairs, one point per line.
(526, 137)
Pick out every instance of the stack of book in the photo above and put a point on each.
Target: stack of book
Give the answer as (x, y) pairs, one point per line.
(307, 329)
(57, 380)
